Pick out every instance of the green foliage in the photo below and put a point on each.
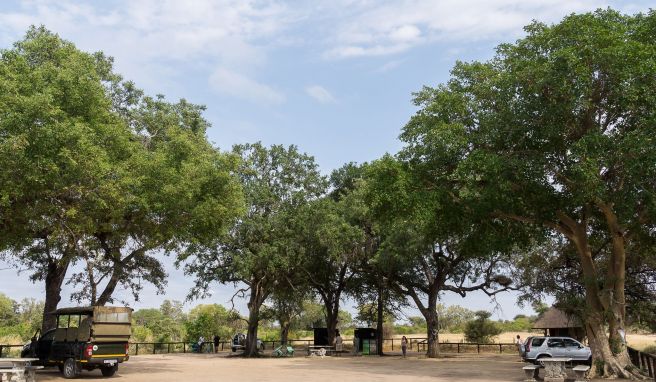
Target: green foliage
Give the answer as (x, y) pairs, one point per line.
(8, 311)
(210, 320)
(452, 319)
(481, 329)
(19, 319)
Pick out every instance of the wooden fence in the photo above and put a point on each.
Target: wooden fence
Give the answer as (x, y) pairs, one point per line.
(415, 344)
(645, 361)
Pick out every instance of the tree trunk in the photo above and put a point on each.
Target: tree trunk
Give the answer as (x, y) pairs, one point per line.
(432, 332)
(54, 279)
(609, 353)
(257, 297)
(284, 332)
(107, 293)
(332, 311)
(380, 322)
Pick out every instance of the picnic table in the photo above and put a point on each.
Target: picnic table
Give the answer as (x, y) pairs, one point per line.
(320, 350)
(21, 370)
(554, 368)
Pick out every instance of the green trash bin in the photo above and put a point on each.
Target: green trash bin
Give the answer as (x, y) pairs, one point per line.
(365, 346)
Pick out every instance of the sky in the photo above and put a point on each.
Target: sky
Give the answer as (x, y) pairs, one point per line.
(334, 77)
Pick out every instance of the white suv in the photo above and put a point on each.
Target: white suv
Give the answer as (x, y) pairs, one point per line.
(565, 347)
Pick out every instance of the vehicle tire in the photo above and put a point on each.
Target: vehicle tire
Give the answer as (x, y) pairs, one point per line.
(108, 371)
(70, 368)
(589, 361)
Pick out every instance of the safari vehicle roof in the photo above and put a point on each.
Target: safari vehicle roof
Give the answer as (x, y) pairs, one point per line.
(91, 310)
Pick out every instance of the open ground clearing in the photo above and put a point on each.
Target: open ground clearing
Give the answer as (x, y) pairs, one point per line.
(205, 367)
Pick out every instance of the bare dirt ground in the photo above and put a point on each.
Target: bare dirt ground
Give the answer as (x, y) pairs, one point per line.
(210, 367)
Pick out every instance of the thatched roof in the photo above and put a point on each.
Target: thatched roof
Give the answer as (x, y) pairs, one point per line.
(555, 318)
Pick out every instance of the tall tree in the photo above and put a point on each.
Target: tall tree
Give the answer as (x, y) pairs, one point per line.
(433, 244)
(556, 131)
(99, 172)
(58, 140)
(277, 181)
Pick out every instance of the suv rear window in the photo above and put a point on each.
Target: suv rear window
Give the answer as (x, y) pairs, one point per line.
(537, 342)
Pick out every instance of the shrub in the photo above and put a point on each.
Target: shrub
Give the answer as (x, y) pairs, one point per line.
(481, 330)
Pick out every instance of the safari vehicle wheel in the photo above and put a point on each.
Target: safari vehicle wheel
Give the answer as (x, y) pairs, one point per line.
(108, 371)
(70, 368)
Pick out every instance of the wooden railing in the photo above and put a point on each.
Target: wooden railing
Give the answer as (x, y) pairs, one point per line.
(417, 344)
(645, 361)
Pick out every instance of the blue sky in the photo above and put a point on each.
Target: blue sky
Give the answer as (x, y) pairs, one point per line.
(333, 77)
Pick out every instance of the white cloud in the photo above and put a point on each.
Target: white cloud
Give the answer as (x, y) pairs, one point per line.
(320, 94)
(377, 28)
(237, 85)
(149, 37)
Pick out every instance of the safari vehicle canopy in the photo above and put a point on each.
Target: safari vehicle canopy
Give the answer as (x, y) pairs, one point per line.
(93, 324)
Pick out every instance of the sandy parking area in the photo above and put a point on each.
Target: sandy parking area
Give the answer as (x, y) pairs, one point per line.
(201, 367)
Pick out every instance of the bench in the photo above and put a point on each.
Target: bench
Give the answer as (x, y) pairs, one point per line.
(320, 350)
(19, 375)
(531, 372)
(580, 371)
(31, 372)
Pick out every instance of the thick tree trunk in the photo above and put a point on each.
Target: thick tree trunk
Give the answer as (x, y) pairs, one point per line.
(380, 322)
(54, 279)
(432, 331)
(332, 312)
(284, 331)
(609, 353)
(255, 301)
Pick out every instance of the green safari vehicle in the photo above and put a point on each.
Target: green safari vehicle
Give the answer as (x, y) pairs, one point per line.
(86, 338)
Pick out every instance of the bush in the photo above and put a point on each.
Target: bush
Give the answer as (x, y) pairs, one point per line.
(481, 330)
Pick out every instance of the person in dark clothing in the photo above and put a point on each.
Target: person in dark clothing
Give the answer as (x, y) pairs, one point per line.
(216, 339)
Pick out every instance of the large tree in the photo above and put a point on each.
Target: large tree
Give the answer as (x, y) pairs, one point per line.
(96, 171)
(261, 247)
(58, 142)
(432, 243)
(556, 131)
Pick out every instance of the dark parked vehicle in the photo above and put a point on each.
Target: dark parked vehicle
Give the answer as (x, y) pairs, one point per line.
(85, 338)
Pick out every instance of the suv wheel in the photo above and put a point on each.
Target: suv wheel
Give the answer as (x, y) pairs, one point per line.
(70, 369)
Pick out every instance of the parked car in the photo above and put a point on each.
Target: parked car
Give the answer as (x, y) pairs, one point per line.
(85, 338)
(565, 347)
(239, 342)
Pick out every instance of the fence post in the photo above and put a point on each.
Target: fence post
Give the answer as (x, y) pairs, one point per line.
(153, 348)
(458, 347)
(184, 347)
(392, 344)
(478, 348)
(500, 349)
(136, 352)
(168, 350)
(0, 351)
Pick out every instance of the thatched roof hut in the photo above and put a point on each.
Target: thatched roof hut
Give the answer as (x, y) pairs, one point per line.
(555, 322)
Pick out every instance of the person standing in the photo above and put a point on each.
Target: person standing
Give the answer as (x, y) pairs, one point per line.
(404, 345)
(216, 339)
(201, 339)
(520, 345)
